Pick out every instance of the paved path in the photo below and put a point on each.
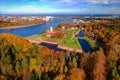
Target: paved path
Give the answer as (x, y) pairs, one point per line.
(70, 49)
(55, 43)
(34, 41)
(38, 41)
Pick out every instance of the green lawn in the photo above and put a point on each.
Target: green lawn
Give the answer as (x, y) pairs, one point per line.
(70, 33)
(90, 42)
(33, 37)
(68, 41)
(72, 43)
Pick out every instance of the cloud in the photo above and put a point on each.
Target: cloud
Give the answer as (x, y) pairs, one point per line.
(22, 9)
(36, 9)
(102, 1)
(114, 1)
(62, 6)
(98, 1)
(74, 2)
(27, 8)
(60, 2)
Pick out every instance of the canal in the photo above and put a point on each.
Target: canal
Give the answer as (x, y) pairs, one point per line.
(84, 44)
(36, 29)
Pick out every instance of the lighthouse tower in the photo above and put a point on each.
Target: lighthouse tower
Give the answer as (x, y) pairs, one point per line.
(51, 29)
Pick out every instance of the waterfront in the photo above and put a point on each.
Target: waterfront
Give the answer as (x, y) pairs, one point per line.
(59, 40)
(84, 44)
(36, 29)
(51, 43)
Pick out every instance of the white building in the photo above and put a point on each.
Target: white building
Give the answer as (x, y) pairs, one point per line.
(63, 27)
(51, 29)
(49, 18)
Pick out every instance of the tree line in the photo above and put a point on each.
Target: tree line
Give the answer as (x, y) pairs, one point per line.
(21, 60)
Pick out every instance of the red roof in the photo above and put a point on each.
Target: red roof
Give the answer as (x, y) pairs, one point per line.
(51, 33)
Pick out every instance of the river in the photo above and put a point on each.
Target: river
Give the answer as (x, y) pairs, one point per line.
(36, 29)
(84, 44)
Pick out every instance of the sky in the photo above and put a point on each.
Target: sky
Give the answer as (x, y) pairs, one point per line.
(60, 6)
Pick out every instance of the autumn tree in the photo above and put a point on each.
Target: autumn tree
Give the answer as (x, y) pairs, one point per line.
(77, 74)
(60, 77)
(99, 71)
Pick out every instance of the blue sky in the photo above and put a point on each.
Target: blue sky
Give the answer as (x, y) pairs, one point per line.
(60, 6)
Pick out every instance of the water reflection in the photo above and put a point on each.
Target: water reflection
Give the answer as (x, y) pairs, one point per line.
(84, 44)
(36, 29)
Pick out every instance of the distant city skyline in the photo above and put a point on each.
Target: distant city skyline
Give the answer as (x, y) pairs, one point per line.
(59, 6)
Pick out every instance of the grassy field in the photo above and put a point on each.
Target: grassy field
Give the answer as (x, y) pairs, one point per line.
(90, 42)
(33, 37)
(72, 43)
(68, 41)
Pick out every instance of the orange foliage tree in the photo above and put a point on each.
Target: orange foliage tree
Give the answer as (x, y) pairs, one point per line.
(77, 74)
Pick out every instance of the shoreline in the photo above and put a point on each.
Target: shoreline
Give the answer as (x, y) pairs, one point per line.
(14, 27)
(55, 43)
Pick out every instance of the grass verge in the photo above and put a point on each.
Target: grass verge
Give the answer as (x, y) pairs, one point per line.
(68, 41)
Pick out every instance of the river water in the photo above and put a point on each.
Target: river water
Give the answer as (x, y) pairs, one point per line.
(36, 29)
(84, 44)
